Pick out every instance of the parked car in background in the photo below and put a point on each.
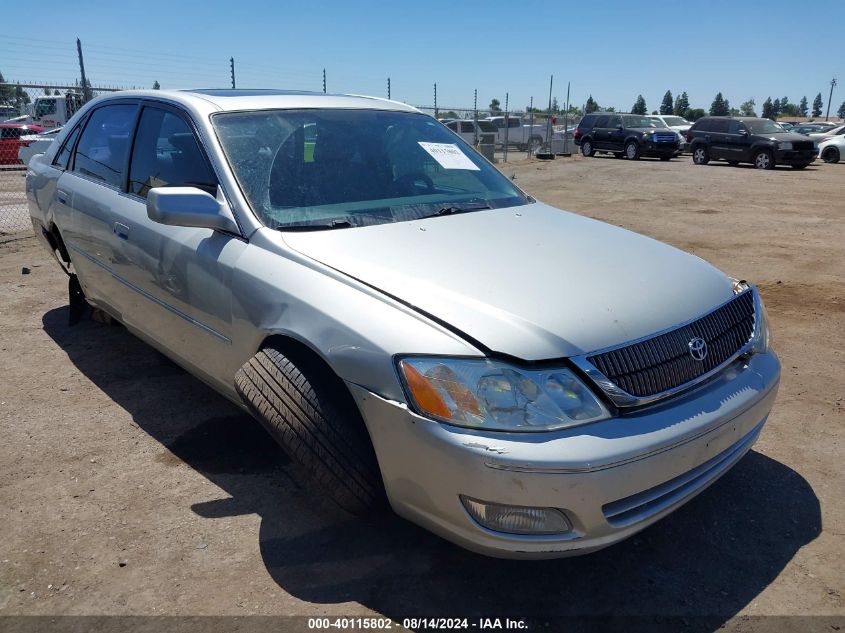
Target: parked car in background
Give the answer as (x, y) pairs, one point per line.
(8, 112)
(832, 149)
(789, 127)
(466, 129)
(33, 144)
(518, 131)
(810, 128)
(406, 322)
(11, 142)
(677, 123)
(761, 142)
(834, 131)
(625, 135)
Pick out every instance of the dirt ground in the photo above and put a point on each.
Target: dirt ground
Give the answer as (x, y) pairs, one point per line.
(128, 487)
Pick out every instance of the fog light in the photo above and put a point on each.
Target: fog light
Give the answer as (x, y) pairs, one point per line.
(516, 519)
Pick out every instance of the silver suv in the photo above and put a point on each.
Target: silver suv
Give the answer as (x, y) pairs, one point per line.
(407, 323)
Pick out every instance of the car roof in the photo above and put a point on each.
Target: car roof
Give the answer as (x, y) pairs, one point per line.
(214, 99)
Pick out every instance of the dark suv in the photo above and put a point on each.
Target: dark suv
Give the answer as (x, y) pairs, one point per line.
(628, 135)
(761, 142)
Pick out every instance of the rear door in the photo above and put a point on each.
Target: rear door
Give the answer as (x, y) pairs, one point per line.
(176, 280)
(615, 133)
(92, 189)
(601, 139)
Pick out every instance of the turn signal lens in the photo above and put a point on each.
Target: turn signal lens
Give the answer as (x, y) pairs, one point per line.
(516, 519)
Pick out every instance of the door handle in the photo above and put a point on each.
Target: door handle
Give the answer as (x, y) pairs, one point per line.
(61, 196)
(121, 230)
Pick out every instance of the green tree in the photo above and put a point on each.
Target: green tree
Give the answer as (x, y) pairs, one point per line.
(495, 106)
(720, 106)
(768, 109)
(156, 85)
(747, 108)
(666, 106)
(681, 104)
(817, 105)
(591, 105)
(790, 109)
(784, 101)
(555, 107)
(803, 109)
(694, 114)
(449, 114)
(841, 111)
(639, 106)
(776, 108)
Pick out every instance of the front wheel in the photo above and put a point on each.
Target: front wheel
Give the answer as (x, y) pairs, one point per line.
(632, 150)
(831, 155)
(310, 412)
(587, 148)
(700, 155)
(764, 160)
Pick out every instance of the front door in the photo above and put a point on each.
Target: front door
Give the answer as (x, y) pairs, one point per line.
(177, 280)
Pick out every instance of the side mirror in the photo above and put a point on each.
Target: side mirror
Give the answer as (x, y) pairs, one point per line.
(744, 132)
(189, 206)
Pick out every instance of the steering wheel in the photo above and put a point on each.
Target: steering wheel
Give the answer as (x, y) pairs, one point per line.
(410, 183)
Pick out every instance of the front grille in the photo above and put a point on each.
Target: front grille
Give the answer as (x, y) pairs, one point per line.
(664, 362)
(665, 138)
(801, 146)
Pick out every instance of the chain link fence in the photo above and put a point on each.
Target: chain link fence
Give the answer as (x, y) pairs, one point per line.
(26, 110)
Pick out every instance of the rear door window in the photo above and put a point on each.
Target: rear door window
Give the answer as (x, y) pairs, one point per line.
(103, 148)
(719, 126)
(602, 121)
(167, 154)
(614, 121)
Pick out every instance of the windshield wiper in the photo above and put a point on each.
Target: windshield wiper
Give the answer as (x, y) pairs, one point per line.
(334, 224)
(459, 209)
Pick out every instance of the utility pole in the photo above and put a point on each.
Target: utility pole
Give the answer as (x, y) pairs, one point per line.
(324, 81)
(505, 148)
(232, 70)
(86, 87)
(435, 100)
(530, 122)
(549, 124)
(475, 114)
(829, 99)
(388, 88)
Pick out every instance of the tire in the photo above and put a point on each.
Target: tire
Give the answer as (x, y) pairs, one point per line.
(587, 148)
(831, 155)
(632, 150)
(700, 155)
(311, 414)
(764, 160)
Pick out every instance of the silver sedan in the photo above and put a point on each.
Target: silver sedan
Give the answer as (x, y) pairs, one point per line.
(408, 324)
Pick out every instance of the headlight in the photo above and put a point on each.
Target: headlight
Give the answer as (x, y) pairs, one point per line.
(785, 145)
(763, 336)
(487, 394)
(647, 135)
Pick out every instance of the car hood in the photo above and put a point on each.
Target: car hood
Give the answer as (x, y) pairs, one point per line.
(532, 282)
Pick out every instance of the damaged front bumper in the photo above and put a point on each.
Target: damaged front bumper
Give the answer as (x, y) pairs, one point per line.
(610, 479)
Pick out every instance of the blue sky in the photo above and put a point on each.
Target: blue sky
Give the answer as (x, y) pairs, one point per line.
(612, 49)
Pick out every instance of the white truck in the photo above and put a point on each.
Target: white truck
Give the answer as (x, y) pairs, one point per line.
(53, 111)
(517, 130)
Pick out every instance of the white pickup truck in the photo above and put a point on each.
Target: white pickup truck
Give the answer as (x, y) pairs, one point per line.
(519, 132)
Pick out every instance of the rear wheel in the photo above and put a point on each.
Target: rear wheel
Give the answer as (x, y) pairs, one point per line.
(764, 160)
(632, 150)
(310, 412)
(700, 156)
(831, 155)
(587, 148)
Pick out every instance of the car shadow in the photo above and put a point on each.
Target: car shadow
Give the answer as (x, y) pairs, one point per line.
(701, 565)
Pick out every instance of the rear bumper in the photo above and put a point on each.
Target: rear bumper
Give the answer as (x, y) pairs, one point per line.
(611, 479)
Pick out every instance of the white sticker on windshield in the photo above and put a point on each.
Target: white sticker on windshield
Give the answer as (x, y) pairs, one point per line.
(449, 156)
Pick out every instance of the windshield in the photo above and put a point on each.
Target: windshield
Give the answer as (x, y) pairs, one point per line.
(763, 126)
(675, 120)
(43, 107)
(640, 121)
(334, 167)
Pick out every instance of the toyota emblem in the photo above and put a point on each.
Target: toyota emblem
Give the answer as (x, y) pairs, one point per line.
(698, 348)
